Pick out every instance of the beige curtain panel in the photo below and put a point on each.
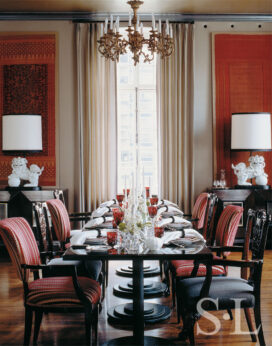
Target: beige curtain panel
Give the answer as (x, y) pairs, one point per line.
(97, 120)
(175, 116)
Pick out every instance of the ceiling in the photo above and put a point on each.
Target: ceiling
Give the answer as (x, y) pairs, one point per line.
(156, 6)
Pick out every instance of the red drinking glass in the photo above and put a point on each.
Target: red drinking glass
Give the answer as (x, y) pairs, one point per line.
(147, 191)
(152, 210)
(159, 232)
(112, 238)
(120, 198)
(117, 215)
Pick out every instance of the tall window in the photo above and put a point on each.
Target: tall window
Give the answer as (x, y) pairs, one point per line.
(137, 121)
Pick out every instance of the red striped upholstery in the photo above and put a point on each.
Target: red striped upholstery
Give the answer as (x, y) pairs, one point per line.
(226, 231)
(184, 268)
(60, 219)
(60, 292)
(199, 210)
(20, 243)
(227, 226)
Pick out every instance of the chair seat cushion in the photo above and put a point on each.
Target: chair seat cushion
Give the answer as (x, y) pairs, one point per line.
(225, 289)
(59, 292)
(183, 268)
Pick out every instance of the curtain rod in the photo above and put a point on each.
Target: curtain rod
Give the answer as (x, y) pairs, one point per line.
(97, 17)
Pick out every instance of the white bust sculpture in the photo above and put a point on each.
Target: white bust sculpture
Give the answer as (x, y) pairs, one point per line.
(21, 172)
(254, 170)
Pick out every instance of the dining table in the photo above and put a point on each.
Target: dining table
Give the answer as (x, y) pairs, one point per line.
(197, 251)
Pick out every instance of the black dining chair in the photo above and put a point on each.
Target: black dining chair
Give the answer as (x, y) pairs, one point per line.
(224, 290)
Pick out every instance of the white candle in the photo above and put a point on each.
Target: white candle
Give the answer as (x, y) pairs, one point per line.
(171, 31)
(129, 19)
(117, 24)
(142, 28)
(111, 21)
(153, 22)
(101, 29)
(159, 26)
(167, 27)
(138, 23)
(106, 25)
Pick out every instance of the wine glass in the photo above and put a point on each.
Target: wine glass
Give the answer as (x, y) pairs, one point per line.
(112, 238)
(153, 200)
(118, 215)
(120, 199)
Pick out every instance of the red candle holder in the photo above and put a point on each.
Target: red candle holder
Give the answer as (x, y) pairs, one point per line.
(159, 232)
(147, 191)
(128, 191)
(153, 200)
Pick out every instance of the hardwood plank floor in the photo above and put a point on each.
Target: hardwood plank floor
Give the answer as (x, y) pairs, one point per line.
(60, 329)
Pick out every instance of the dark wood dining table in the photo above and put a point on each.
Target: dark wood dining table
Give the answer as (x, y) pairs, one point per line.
(197, 251)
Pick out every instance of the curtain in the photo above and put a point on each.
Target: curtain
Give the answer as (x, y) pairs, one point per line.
(97, 120)
(175, 120)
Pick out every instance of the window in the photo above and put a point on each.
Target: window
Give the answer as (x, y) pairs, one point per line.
(137, 121)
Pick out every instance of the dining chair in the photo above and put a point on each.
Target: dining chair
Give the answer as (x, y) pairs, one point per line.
(61, 223)
(199, 209)
(228, 291)
(225, 234)
(63, 294)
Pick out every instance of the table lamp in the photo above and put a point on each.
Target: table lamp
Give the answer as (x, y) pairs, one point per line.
(251, 132)
(21, 134)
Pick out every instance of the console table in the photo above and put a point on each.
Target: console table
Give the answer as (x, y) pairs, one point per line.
(247, 198)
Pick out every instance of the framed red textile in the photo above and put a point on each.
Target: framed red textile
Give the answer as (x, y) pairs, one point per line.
(27, 86)
(242, 76)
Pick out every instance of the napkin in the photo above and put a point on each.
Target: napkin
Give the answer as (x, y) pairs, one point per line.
(78, 239)
(168, 236)
(108, 203)
(169, 210)
(190, 232)
(100, 211)
(174, 220)
(166, 202)
(98, 221)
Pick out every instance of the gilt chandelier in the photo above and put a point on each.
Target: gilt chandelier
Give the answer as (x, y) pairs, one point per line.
(111, 44)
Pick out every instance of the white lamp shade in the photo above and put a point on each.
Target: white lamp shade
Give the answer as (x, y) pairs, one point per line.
(251, 131)
(21, 133)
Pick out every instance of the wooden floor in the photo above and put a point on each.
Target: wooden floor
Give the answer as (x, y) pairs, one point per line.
(60, 329)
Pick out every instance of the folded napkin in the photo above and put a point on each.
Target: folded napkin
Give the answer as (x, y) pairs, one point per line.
(108, 203)
(190, 232)
(168, 236)
(169, 209)
(98, 221)
(185, 233)
(95, 233)
(100, 211)
(166, 202)
(78, 239)
(175, 221)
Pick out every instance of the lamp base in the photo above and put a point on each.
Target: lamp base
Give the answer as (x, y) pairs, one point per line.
(252, 187)
(23, 188)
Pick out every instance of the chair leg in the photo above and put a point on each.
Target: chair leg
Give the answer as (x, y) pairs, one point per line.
(258, 321)
(88, 328)
(28, 325)
(106, 273)
(250, 324)
(95, 324)
(230, 314)
(38, 320)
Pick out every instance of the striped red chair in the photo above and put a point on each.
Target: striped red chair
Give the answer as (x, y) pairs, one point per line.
(199, 209)
(225, 234)
(51, 294)
(61, 222)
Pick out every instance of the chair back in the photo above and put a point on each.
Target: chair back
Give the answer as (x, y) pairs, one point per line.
(60, 219)
(44, 233)
(21, 244)
(209, 221)
(227, 225)
(199, 210)
(58, 194)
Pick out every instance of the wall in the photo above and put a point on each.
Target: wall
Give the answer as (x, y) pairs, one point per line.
(65, 97)
(203, 112)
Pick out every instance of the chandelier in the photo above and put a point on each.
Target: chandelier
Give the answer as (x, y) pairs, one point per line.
(112, 44)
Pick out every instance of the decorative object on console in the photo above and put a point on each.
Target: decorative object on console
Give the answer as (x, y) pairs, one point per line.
(112, 44)
(251, 132)
(22, 133)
